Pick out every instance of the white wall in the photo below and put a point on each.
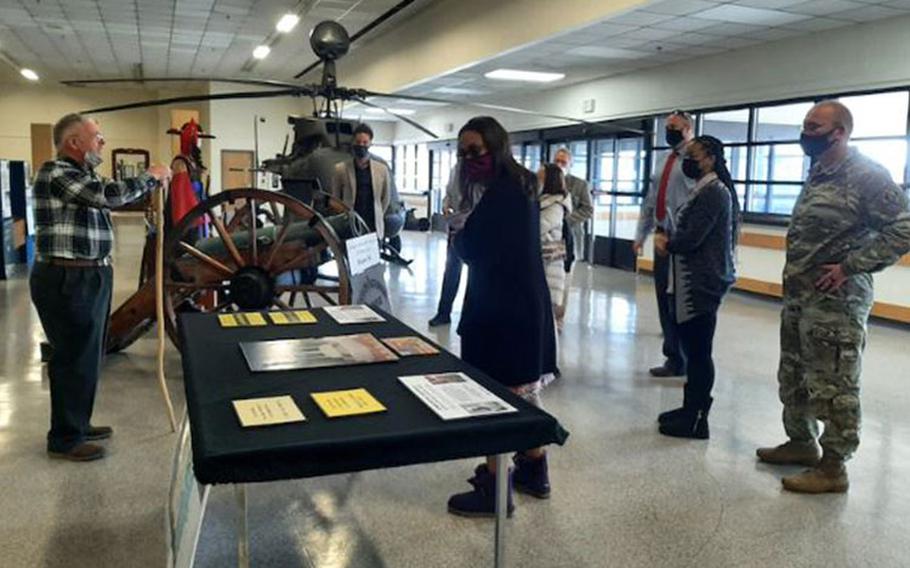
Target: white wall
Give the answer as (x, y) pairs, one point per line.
(863, 56)
(860, 57)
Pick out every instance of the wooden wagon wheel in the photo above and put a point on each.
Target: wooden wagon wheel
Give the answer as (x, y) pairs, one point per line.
(254, 264)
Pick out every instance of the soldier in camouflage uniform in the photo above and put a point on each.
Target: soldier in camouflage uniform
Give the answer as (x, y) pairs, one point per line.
(850, 220)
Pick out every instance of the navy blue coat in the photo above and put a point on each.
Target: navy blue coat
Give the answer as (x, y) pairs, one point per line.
(506, 324)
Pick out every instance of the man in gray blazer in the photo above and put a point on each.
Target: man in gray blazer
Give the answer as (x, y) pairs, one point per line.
(364, 183)
(582, 212)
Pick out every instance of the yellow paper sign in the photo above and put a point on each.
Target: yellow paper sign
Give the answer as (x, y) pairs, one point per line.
(291, 318)
(347, 402)
(242, 319)
(267, 411)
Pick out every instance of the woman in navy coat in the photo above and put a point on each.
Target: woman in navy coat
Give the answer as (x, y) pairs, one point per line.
(506, 325)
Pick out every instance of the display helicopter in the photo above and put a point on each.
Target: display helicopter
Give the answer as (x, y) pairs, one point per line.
(249, 249)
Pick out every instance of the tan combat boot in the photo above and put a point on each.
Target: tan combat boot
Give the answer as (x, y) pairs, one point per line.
(791, 453)
(830, 476)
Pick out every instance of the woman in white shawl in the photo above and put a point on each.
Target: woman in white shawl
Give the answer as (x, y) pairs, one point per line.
(555, 206)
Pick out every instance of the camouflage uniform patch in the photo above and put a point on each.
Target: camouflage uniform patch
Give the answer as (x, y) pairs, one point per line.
(854, 215)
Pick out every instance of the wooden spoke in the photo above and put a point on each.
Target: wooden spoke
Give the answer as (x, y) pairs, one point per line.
(280, 303)
(327, 298)
(228, 241)
(279, 240)
(273, 205)
(213, 263)
(254, 246)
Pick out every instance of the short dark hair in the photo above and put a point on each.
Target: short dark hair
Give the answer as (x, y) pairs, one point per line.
(63, 125)
(363, 128)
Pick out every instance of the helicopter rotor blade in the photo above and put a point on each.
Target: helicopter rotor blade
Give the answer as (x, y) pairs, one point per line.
(503, 108)
(254, 82)
(297, 92)
(413, 123)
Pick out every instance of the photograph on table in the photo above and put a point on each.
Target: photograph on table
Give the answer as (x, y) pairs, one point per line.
(315, 352)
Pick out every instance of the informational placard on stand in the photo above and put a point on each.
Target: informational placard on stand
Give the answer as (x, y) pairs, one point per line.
(368, 285)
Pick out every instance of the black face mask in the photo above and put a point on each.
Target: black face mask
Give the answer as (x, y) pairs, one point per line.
(691, 169)
(815, 146)
(360, 152)
(674, 137)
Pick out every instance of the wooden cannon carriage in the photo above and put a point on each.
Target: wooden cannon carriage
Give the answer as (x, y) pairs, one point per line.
(243, 249)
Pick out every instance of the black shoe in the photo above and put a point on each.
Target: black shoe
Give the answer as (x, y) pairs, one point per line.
(81, 453)
(687, 425)
(666, 370)
(531, 476)
(481, 501)
(440, 319)
(98, 433)
(670, 415)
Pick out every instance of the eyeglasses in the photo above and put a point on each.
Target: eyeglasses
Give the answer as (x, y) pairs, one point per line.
(470, 152)
(684, 115)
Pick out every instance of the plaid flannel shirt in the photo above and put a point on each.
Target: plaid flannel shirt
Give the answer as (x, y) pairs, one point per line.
(72, 209)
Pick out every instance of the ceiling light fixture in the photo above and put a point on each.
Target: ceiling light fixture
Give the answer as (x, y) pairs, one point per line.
(528, 76)
(261, 51)
(401, 111)
(29, 74)
(287, 23)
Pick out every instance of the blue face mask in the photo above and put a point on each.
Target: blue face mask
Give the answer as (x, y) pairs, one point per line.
(815, 146)
(360, 152)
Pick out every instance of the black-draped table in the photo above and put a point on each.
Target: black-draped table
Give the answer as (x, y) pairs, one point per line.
(408, 432)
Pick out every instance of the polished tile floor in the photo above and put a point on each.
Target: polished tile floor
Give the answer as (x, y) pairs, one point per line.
(623, 495)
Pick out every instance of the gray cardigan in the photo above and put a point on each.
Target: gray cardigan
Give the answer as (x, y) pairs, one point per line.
(702, 248)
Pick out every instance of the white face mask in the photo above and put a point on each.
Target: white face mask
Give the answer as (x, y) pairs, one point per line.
(93, 159)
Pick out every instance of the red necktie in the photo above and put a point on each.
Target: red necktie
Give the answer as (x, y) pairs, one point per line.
(662, 188)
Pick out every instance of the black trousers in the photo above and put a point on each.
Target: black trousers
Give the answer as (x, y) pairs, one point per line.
(450, 281)
(697, 337)
(74, 305)
(672, 348)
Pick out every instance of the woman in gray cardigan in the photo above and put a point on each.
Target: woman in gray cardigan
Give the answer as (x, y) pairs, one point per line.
(702, 271)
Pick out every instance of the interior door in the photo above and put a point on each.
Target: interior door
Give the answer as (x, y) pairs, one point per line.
(236, 166)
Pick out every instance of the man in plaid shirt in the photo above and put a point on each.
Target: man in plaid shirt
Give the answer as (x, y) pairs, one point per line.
(72, 280)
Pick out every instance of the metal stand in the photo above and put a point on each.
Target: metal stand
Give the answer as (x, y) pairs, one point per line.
(502, 491)
(243, 533)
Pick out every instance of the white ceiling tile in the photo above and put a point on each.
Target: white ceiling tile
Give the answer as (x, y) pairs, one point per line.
(680, 7)
(640, 18)
(823, 7)
(731, 29)
(871, 13)
(818, 24)
(606, 52)
(687, 24)
(747, 15)
(692, 39)
(772, 34)
(649, 34)
(607, 29)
